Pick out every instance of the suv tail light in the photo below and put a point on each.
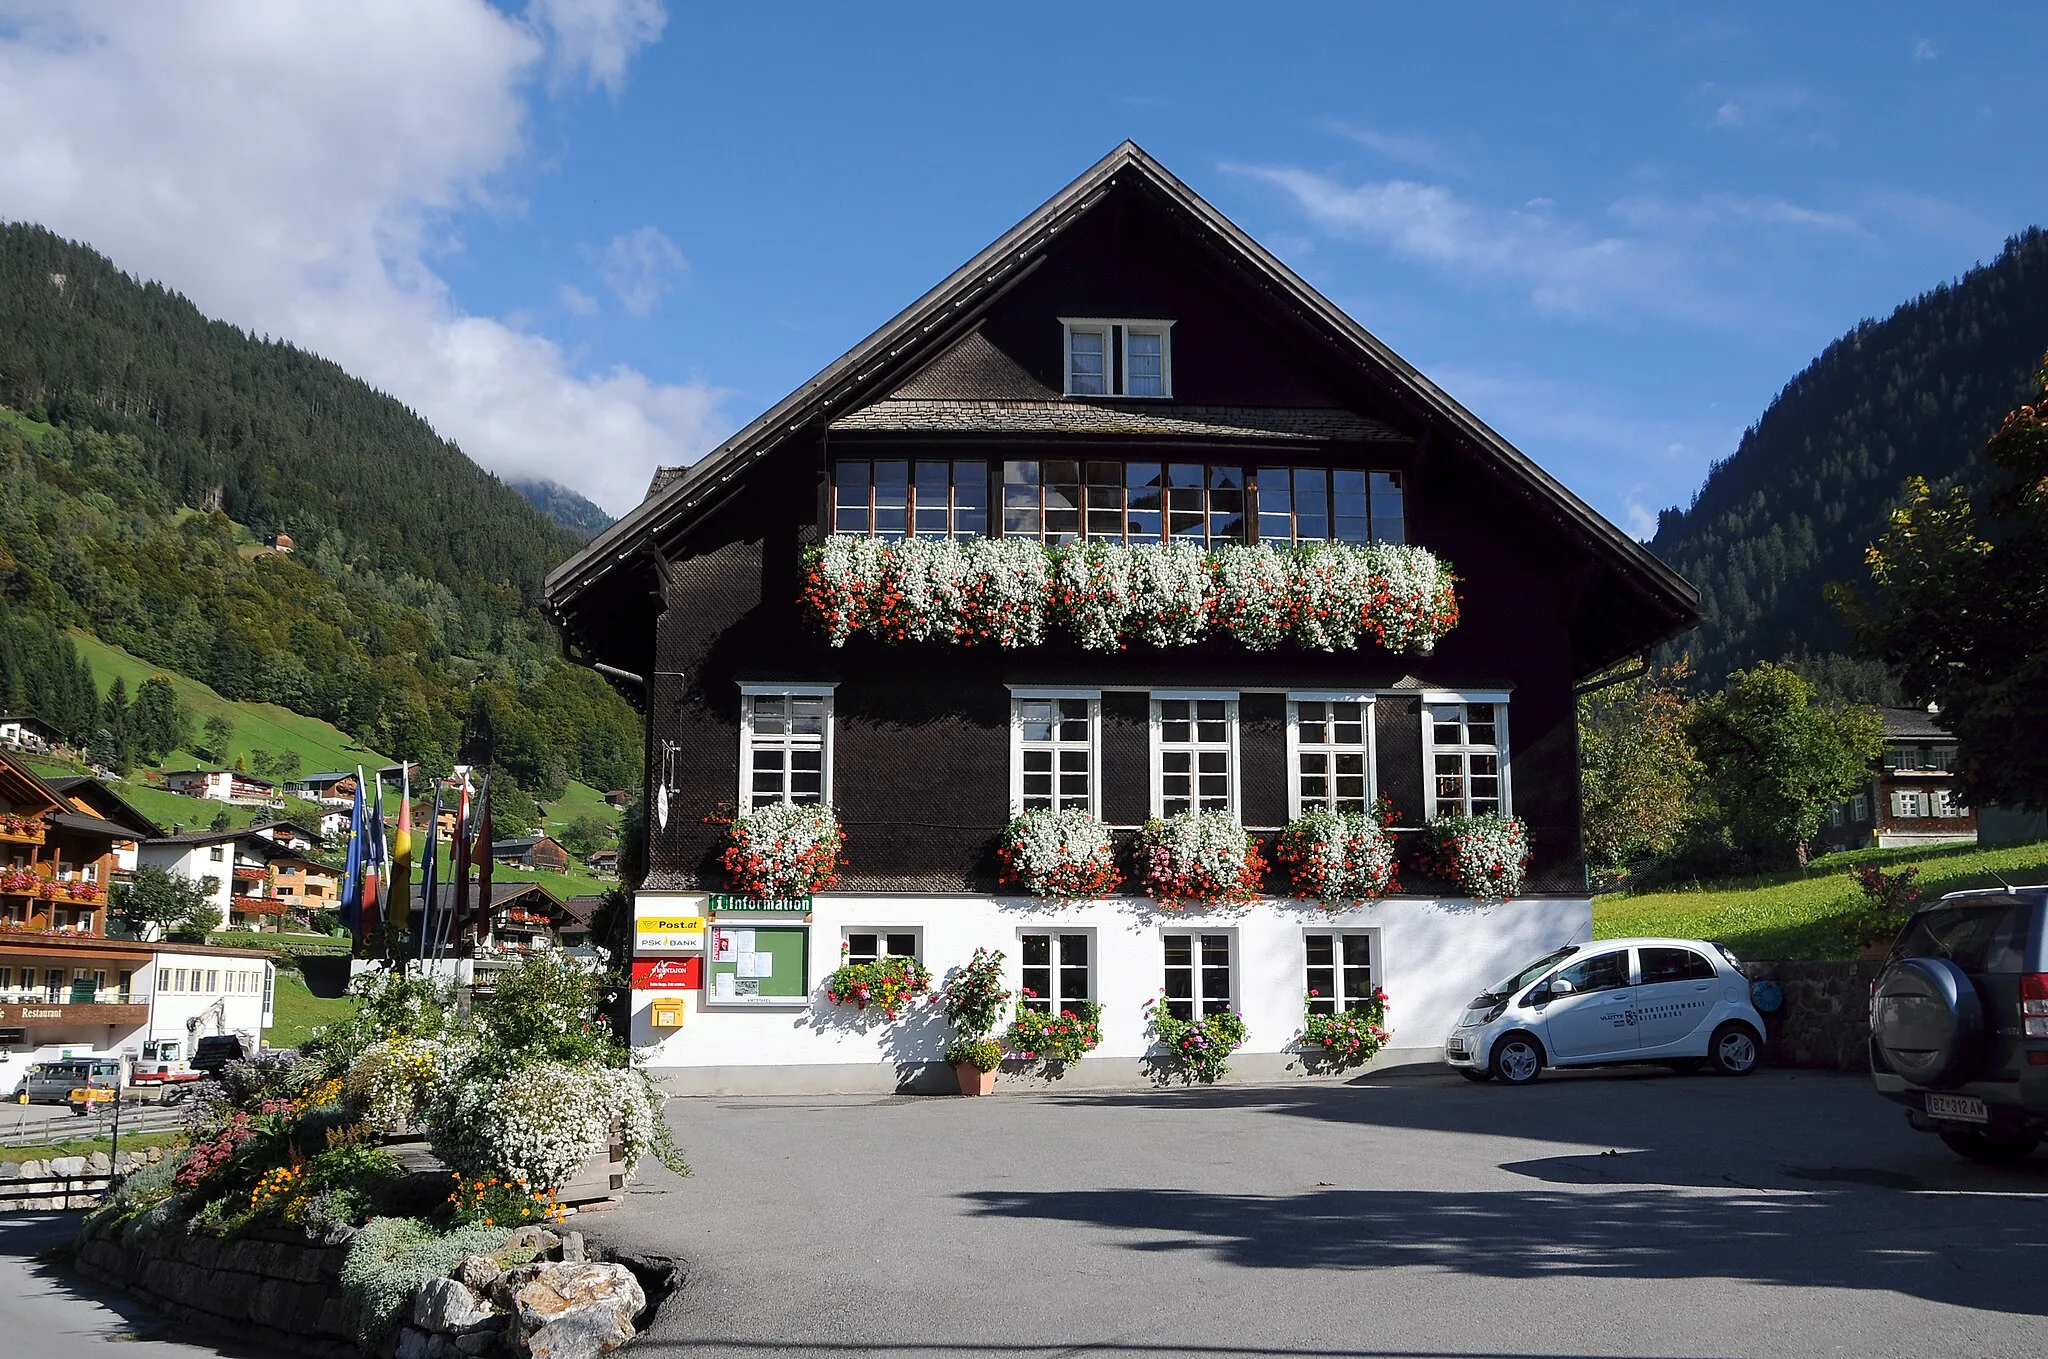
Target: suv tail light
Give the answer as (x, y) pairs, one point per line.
(2034, 1004)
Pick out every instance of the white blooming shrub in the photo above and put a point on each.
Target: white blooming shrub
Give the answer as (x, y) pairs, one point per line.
(1005, 588)
(840, 576)
(1338, 857)
(1199, 859)
(1250, 593)
(1094, 593)
(1170, 593)
(1064, 855)
(782, 850)
(392, 1082)
(540, 1123)
(1486, 856)
(920, 599)
(1412, 600)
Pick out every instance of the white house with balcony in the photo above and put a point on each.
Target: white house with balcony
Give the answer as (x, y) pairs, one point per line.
(238, 862)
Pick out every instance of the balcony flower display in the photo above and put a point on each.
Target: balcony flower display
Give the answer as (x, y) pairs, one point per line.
(1064, 855)
(782, 851)
(1198, 859)
(22, 827)
(1323, 596)
(1486, 856)
(1338, 858)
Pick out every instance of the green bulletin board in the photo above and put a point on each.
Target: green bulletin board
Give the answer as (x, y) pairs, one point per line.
(757, 964)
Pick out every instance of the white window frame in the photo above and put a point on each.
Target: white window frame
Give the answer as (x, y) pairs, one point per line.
(1019, 694)
(882, 932)
(748, 692)
(1499, 699)
(1235, 999)
(1859, 807)
(1116, 354)
(1231, 743)
(1376, 966)
(1053, 932)
(1295, 806)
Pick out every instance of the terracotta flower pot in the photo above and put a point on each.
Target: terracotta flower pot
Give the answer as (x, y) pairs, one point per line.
(973, 1080)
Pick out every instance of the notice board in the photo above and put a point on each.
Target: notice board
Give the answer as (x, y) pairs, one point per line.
(753, 964)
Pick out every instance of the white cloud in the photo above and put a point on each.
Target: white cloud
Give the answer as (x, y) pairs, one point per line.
(1419, 152)
(576, 300)
(639, 268)
(1923, 50)
(294, 169)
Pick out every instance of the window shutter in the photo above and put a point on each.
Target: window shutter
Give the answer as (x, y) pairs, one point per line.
(1126, 757)
(1397, 732)
(1262, 758)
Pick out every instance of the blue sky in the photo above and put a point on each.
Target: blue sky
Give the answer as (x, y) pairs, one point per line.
(615, 232)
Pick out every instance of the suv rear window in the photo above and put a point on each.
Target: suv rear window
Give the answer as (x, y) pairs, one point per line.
(1985, 936)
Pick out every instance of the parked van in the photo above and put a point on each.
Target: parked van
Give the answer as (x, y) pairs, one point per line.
(53, 1082)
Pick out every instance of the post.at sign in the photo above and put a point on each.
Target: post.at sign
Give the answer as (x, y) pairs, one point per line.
(668, 934)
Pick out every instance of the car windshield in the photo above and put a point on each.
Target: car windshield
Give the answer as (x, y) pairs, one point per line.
(1531, 972)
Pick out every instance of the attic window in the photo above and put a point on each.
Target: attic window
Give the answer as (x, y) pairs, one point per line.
(1118, 358)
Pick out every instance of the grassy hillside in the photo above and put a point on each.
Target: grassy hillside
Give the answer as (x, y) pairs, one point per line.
(258, 726)
(1806, 915)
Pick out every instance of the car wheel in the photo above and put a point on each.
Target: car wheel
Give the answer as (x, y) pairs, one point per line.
(1517, 1060)
(1473, 1073)
(1991, 1149)
(1734, 1050)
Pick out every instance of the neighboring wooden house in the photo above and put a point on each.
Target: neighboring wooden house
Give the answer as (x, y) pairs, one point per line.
(222, 785)
(1911, 796)
(301, 884)
(31, 734)
(618, 797)
(293, 835)
(604, 861)
(540, 852)
(89, 795)
(1124, 365)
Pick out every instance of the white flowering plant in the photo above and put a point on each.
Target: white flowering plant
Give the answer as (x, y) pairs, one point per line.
(1199, 859)
(1065, 855)
(782, 850)
(392, 1083)
(540, 1123)
(1337, 858)
(1487, 856)
(1010, 592)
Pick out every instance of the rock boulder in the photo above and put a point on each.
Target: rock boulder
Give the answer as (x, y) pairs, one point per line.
(578, 1310)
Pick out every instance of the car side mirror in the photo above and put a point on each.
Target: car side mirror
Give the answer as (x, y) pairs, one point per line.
(1560, 987)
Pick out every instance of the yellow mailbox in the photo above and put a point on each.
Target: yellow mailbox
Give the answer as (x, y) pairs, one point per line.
(668, 1013)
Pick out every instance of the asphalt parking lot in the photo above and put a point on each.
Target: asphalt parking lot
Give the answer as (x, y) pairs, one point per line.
(1402, 1213)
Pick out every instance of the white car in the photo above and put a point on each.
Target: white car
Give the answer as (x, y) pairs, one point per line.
(1677, 1001)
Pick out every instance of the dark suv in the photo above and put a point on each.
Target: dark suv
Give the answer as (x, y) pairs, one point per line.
(1959, 1022)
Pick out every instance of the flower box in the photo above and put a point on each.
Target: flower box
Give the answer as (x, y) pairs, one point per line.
(1198, 859)
(1486, 857)
(1065, 856)
(600, 1182)
(781, 851)
(1337, 858)
(22, 830)
(1012, 592)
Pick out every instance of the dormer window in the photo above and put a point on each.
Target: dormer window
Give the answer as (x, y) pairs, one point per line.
(1119, 358)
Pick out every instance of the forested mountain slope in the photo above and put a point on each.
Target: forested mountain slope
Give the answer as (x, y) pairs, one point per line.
(1808, 487)
(148, 453)
(564, 506)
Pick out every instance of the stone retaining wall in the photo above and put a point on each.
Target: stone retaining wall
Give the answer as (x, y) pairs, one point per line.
(1825, 1020)
(268, 1288)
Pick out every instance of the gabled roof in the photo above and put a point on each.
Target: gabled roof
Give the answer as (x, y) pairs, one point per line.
(188, 839)
(1909, 723)
(866, 371)
(106, 803)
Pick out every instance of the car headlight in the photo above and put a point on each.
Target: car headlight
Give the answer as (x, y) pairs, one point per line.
(1499, 1007)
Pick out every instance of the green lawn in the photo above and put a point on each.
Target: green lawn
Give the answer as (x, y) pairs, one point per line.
(86, 1146)
(580, 799)
(258, 726)
(35, 430)
(297, 1012)
(1806, 915)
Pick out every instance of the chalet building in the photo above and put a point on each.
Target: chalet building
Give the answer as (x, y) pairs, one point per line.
(222, 785)
(300, 884)
(237, 863)
(66, 988)
(1910, 797)
(1124, 365)
(604, 861)
(540, 852)
(293, 835)
(329, 790)
(30, 734)
(92, 797)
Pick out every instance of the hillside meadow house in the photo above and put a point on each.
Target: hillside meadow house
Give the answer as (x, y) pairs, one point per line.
(240, 864)
(1911, 797)
(222, 785)
(1124, 366)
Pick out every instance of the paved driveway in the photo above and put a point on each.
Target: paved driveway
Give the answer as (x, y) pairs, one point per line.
(1407, 1213)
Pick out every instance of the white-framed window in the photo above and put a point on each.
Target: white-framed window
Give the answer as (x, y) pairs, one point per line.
(1338, 969)
(1907, 803)
(1054, 737)
(1329, 752)
(1194, 752)
(1948, 803)
(785, 744)
(1198, 973)
(1835, 815)
(868, 944)
(1056, 969)
(1859, 807)
(217, 853)
(1465, 753)
(1107, 357)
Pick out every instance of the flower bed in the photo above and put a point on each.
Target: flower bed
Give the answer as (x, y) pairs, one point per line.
(889, 984)
(1063, 855)
(1485, 856)
(1336, 858)
(1346, 1037)
(1324, 596)
(1054, 1040)
(1202, 1047)
(782, 851)
(1198, 859)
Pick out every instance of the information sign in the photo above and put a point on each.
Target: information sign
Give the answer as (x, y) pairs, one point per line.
(758, 965)
(724, 902)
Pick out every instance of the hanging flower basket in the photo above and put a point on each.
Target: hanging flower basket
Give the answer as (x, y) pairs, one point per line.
(1063, 855)
(782, 851)
(1338, 858)
(1055, 1040)
(1201, 1047)
(1198, 859)
(1324, 596)
(889, 984)
(1486, 856)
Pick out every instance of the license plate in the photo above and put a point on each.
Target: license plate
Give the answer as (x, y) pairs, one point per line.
(1456, 1047)
(1963, 1108)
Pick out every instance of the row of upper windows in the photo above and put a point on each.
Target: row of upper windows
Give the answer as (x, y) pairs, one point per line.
(1056, 751)
(1060, 499)
(1056, 971)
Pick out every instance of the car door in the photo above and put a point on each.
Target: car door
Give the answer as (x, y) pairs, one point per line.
(1675, 998)
(1596, 1020)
